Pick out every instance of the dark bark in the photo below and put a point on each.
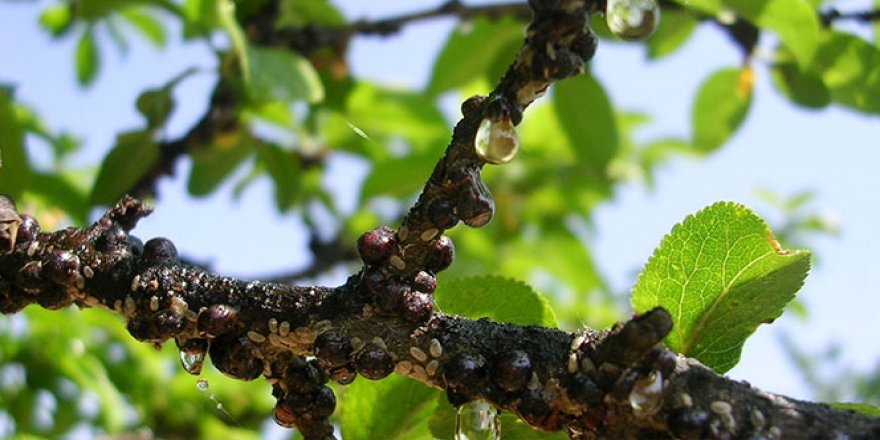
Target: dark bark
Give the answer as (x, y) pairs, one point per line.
(614, 384)
(619, 383)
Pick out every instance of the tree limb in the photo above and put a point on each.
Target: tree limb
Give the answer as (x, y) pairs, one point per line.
(613, 384)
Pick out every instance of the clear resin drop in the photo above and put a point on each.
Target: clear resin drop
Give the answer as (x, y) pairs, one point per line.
(477, 421)
(202, 384)
(191, 362)
(496, 141)
(632, 19)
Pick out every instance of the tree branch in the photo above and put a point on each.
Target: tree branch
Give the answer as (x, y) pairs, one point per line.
(615, 384)
(833, 14)
(220, 117)
(453, 8)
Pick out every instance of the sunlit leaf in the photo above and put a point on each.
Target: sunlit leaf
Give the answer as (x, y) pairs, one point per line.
(804, 88)
(394, 408)
(472, 48)
(385, 114)
(676, 28)
(398, 176)
(87, 58)
(200, 17)
(297, 13)
(150, 27)
(720, 107)
(15, 171)
(710, 7)
(133, 156)
(282, 75)
(721, 274)
(586, 115)
(56, 18)
(213, 163)
(850, 68)
(498, 298)
(794, 21)
(156, 105)
(285, 172)
(58, 190)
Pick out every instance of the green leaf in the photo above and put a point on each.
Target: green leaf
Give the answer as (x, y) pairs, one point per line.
(150, 27)
(720, 107)
(804, 88)
(514, 429)
(297, 13)
(87, 58)
(225, 15)
(560, 254)
(471, 49)
(861, 408)
(282, 75)
(56, 19)
(15, 171)
(200, 16)
(393, 408)
(213, 163)
(156, 105)
(794, 21)
(721, 274)
(676, 27)
(60, 192)
(285, 171)
(133, 156)
(498, 298)
(388, 115)
(710, 7)
(398, 177)
(588, 120)
(850, 68)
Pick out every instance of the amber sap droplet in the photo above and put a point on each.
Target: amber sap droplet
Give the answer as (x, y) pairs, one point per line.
(496, 141)
(632, 19)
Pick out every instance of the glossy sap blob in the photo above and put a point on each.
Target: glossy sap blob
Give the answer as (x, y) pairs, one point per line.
(632, 19)
(496, 141)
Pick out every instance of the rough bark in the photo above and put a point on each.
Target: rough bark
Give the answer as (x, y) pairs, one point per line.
(619, 383)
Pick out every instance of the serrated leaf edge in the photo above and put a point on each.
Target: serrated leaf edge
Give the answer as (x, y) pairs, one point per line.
(701, 324)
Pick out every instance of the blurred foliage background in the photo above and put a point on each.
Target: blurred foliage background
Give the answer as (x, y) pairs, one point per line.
(285, 104)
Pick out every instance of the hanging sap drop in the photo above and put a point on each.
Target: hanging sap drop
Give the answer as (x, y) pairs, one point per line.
(632, 19)
(477, 421)
(192, 362)
(496, 141)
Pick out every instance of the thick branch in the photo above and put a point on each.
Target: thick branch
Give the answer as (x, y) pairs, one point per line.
(619, 383)
(614, 384)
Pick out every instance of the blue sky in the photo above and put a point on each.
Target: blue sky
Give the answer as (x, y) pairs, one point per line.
(833, 152)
